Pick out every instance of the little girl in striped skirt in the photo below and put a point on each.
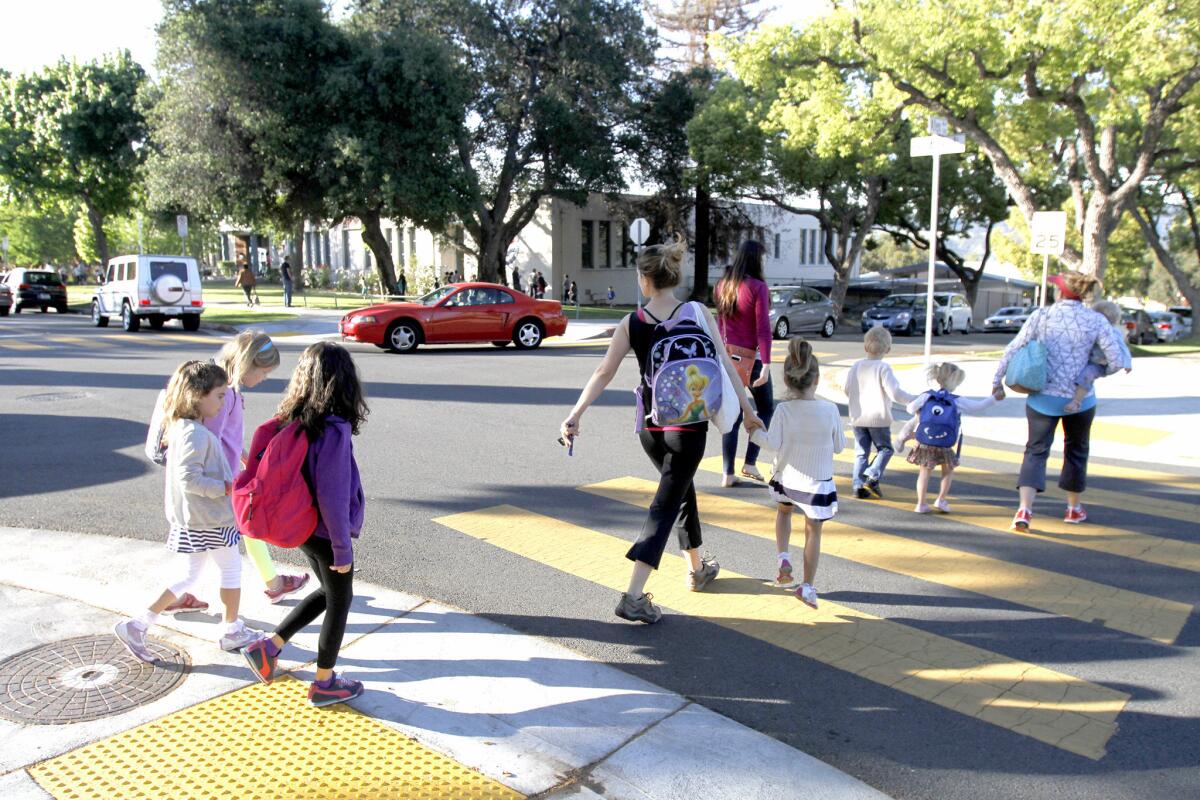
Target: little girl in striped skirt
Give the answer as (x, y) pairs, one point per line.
(198, 485)
(805, 433)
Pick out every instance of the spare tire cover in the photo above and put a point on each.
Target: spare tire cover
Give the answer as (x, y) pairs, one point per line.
(168, 289)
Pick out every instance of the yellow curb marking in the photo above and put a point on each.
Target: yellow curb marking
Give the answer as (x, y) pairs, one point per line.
(1089, 536)
(262, 741)
(1051, 707)
(1130, 612)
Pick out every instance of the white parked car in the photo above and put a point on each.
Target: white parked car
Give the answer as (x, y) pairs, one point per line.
(1009, 318)
(1167, 326)
(1185, 316)
(956, 314)
(150, 288)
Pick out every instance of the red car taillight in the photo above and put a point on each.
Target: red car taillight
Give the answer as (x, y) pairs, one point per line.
(1164, 325)
(197, 302)
(143, 302)
(1130, 325)
(23, 286)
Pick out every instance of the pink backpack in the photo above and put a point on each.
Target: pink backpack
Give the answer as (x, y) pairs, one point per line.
(271, 499)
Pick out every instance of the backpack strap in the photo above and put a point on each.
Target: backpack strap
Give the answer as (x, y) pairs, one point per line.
(647, 313)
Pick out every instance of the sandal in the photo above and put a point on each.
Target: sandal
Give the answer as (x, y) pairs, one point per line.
(751, 471)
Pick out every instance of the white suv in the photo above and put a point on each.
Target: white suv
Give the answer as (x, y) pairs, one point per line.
(151, 288)
(956, 312)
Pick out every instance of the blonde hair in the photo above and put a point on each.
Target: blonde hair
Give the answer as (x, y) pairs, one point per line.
(800, 369)
(249, 349)
(662, 264)
(192, 381)
(946, 375)
(1109, 310)
(877, 340)
(695, 378)
(1084, 286)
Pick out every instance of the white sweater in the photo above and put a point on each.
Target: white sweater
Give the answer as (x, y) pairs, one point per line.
(804, 435)
(196, 475)
(871, 387)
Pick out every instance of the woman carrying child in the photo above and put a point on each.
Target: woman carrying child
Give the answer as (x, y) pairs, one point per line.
(326, 398)
(936, 425)
(198, 485)
(805, 433)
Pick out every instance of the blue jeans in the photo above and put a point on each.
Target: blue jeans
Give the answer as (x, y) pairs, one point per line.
(864, 440)
(764, 406)
(287, 292)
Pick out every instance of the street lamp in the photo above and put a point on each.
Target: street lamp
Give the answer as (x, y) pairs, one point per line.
(936, 145)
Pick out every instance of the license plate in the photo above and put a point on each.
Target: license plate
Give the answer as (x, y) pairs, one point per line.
(43, 296)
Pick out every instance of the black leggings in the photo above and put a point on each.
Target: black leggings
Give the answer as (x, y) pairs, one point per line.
(333, 598)
(1077, 430)
(677, 455)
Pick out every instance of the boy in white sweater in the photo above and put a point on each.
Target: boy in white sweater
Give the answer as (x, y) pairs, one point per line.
(871, 387)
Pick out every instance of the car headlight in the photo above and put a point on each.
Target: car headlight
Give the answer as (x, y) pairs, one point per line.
(903, 315)
(367, 319)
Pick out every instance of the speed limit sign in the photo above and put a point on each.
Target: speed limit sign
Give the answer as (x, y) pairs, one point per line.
(1048, 232)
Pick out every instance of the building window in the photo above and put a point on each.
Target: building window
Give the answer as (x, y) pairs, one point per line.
(803, 245)
(587, 244)
(777, 245)
(346, 264)
(605, 244)
(412, 244)
(628, 254)
(812, 247)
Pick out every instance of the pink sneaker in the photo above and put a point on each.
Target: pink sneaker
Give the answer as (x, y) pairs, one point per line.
(185, 604)
(1075, 515)
(288, 584)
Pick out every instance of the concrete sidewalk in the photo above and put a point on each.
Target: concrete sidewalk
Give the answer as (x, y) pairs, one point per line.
(1147, 416)
(459, 707)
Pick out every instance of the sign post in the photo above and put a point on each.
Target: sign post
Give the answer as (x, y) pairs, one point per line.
(181, 225)
(1048, 236)
(639, 232)
(935, 145)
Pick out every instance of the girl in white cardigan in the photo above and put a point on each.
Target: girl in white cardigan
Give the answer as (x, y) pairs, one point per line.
(805, 433)
(198, 484)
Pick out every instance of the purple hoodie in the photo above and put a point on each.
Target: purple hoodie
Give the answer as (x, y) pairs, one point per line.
(333, 474)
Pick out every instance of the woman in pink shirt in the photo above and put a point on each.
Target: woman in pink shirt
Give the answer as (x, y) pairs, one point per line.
(743, 314)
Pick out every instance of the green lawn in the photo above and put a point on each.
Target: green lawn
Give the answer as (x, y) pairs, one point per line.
(244, 316)
(1185, 347)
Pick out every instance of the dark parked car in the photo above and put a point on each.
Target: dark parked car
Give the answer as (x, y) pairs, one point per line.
(798, 309)
(5, 298)
(37, 288)
(1139, 328)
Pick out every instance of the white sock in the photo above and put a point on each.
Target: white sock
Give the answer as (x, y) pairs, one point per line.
(785, 556)
(146, 618)
(232, 627)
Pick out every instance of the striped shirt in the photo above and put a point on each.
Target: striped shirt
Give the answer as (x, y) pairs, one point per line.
(183, 540)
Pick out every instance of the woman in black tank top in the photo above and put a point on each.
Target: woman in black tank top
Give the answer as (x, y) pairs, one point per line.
(675, 450)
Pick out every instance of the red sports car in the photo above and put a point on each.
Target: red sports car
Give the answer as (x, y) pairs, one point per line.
(459, 312)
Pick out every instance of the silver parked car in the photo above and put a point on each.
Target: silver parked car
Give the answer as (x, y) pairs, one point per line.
(800, 309)
(1185, 316)
(1167, 326)
(1009, 318)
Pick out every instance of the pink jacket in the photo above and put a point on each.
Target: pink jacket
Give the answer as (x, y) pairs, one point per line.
(750, 325)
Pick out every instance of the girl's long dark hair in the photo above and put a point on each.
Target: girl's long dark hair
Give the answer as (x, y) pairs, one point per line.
(748, 264)
(325, 382)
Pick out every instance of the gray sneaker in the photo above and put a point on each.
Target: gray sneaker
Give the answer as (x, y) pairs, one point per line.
(133, 635)
(639, 610)
(698, 580)
(240, 637)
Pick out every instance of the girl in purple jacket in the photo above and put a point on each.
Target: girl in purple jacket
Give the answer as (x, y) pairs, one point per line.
(326, 398)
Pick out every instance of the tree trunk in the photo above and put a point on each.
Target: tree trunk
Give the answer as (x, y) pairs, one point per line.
(1096, 228)
(703, 250)
(373, 237)
(96, 219)
(492, 248)
(298, 255)
(1164, 256)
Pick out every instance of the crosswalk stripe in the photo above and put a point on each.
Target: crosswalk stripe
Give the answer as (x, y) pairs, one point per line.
(17, 344)
(1159, 550)
(1169, 479)
(1123, 501)
(1051, 707)
(1129, 612)
(78, 341)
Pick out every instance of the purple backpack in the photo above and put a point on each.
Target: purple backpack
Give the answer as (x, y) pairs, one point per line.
(682, 381)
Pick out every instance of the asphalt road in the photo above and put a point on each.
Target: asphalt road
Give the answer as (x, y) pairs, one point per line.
(456, 430)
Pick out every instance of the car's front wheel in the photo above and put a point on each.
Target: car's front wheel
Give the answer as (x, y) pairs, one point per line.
(402, 337)
(528, 334)
(98, 319)
(130, 322)
(967, 329)
(911, 328)
(828, 328)
(782, 329)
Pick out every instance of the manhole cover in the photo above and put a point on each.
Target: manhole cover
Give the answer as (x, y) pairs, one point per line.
(55, 397)
(87, 678)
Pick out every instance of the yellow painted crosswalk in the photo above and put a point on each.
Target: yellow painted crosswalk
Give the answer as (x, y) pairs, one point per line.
(1048, 706)
(1093, 536)
(1172, 480)
(1130, 612)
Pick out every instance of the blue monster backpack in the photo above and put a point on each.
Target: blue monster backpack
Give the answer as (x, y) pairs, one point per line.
(939, 424)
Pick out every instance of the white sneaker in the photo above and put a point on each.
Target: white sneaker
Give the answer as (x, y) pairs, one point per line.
(729, 480)
(133, 635)
(807, 594)
(239, 637)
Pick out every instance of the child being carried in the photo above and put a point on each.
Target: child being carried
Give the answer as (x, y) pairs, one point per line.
(1097, 366)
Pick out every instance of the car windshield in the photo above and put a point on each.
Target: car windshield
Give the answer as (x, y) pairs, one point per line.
(176, 268)
(1009, 312)
(434, 297)
(901, 301)
(41, 278)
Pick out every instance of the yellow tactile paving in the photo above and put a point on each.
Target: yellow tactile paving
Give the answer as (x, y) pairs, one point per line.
(1124, 501)
(1129, 612)
(263, 741)
(1173, 480)
(1051, 707)
(1090, 536)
